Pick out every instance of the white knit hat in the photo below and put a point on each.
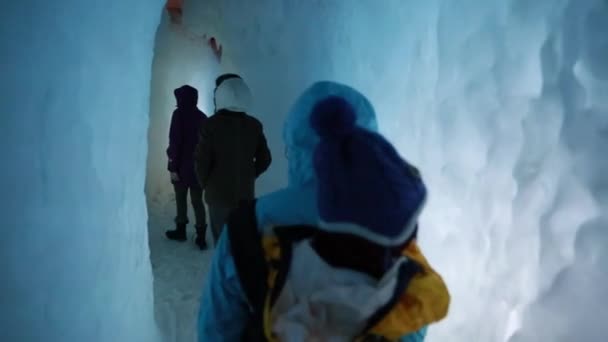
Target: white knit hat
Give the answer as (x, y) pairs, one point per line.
(233, 94)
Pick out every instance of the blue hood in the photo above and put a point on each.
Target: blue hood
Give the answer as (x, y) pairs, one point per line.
(300, 138)
(297, 204)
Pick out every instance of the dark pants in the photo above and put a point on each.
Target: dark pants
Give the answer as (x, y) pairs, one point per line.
(217, 218)
(181, 199)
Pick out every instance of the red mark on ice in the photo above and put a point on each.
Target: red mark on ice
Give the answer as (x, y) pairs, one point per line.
(176, 12)
(175, 9)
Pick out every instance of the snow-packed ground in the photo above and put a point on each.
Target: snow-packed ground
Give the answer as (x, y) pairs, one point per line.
(179, 269)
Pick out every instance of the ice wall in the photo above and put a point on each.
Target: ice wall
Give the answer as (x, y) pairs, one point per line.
(503, 105)
(74, 111)
(517, 124)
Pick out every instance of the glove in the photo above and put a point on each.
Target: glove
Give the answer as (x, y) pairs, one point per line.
(174, 177)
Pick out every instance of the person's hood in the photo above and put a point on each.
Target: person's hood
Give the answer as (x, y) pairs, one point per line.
(186, 96)
(233, 95)
(300, 138)
(322, 303)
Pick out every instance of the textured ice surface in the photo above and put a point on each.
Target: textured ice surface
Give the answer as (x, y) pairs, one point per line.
(74, 90)
(503, 105)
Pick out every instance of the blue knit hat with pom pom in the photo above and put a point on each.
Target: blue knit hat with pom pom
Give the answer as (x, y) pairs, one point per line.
(364, 187)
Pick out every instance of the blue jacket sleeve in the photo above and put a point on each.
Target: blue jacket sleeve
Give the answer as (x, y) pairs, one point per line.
(224, 308)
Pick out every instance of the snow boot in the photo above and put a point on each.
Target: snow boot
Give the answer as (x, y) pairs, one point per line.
(177, 234)
(200, 237)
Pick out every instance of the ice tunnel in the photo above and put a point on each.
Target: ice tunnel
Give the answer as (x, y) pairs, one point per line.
(502, 104)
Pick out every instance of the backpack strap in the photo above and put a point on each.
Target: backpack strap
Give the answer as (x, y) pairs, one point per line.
(405, 274)
(253, 268)
(252, 271)
(287, 237)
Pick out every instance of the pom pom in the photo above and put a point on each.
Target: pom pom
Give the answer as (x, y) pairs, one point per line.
(333, 117)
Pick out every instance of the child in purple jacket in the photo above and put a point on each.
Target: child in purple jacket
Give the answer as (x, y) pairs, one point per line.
(183, 138)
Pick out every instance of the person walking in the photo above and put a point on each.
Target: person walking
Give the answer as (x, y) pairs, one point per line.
(183, 139)
(232, 151)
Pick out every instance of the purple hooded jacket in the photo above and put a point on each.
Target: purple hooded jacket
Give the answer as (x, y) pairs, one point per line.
(184, 134)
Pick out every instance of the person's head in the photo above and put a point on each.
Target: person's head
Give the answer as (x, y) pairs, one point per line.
(299, 137)
(231, 93)
(186, 96)
(364, 187)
